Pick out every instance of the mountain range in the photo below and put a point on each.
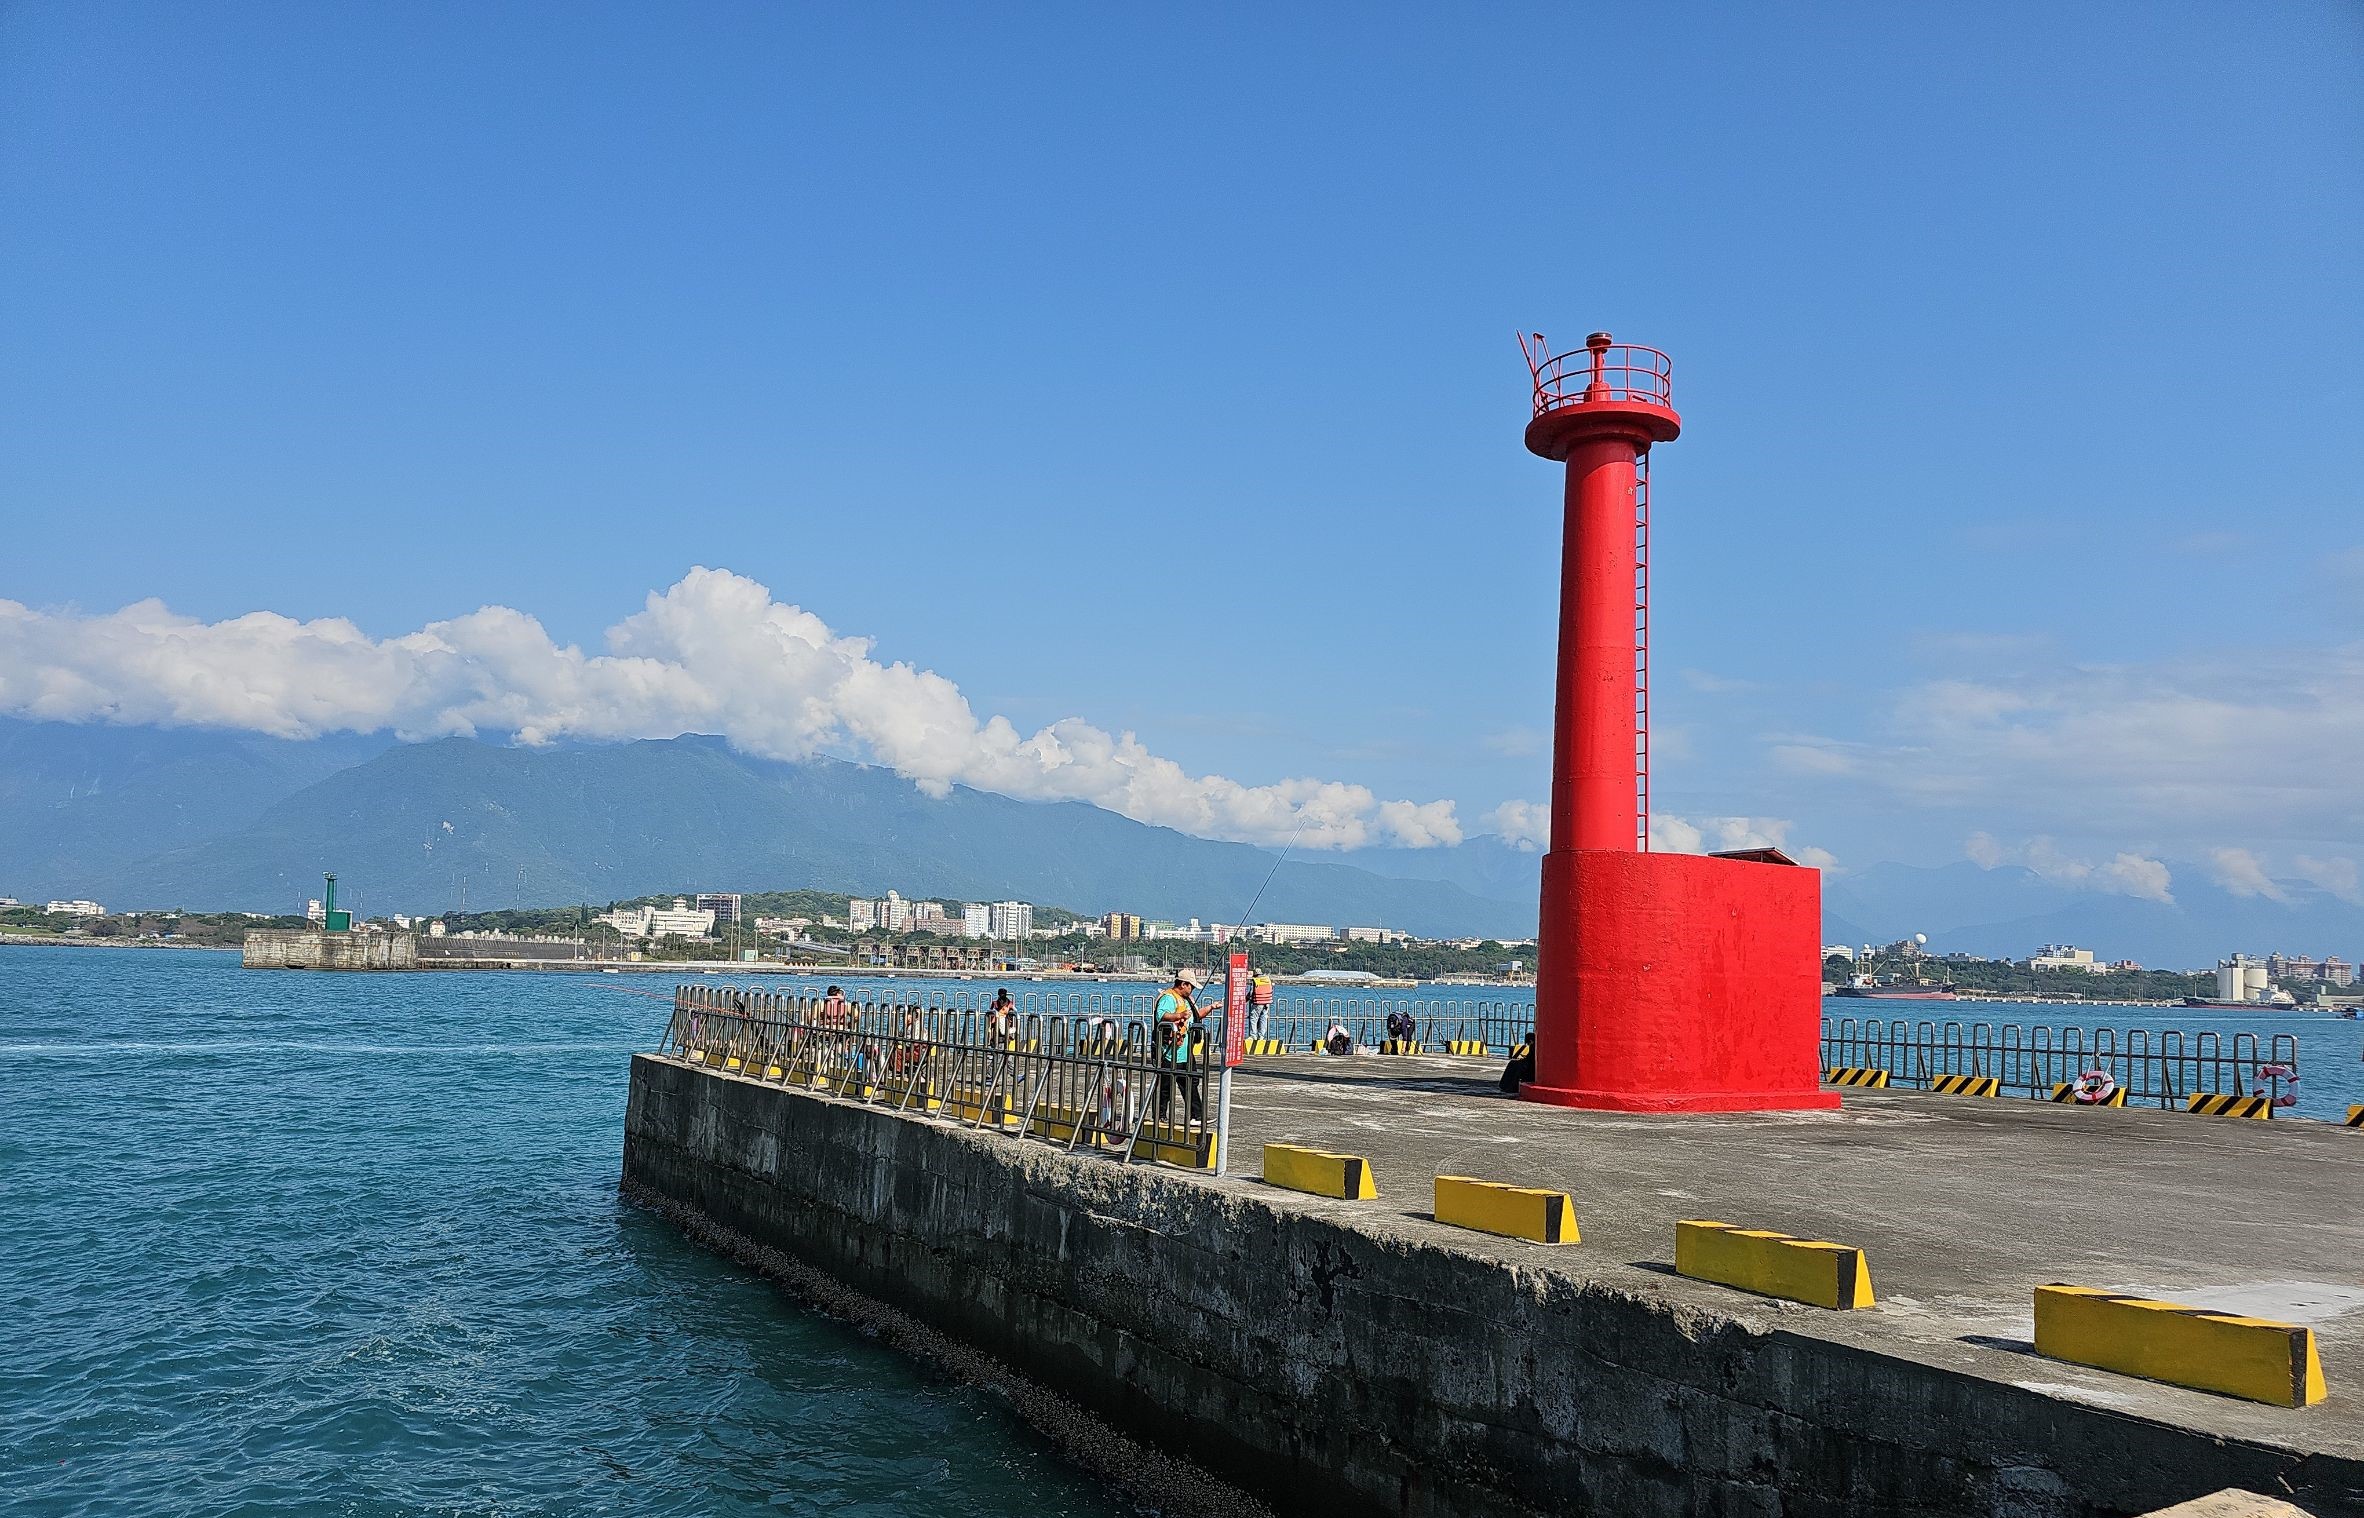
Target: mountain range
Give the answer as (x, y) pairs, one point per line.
(212, 821)
(147, 817)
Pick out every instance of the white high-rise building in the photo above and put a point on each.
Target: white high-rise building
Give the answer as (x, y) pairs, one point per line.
(1010, 919)
(976, 920)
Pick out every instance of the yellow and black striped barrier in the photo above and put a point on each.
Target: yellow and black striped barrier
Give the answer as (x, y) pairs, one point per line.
(1191, 1148)
(2066, 1091)
(1856, 1075)
(2218, 1104)
(970, 1104)
(1262, 1046)
(1474, 1048)
(1967, 1085)
(1318, 1172)
(2224, 1352)
(1813, 1271)
(1514, 1212)
(2355, 1118)
(1400, 1046)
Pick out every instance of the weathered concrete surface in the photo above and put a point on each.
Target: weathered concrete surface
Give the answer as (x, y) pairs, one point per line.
(1963, 1205)
(312, 949)
(1360, 1357)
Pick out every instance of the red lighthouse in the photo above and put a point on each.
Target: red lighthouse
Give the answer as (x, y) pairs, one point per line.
(1667, 982)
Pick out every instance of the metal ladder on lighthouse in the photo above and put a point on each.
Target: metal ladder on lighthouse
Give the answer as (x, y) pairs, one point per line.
(1641, 651)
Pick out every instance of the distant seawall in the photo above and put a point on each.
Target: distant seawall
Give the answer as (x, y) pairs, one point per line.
(1331, 1369)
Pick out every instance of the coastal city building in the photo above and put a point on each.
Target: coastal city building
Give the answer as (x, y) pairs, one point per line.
(1295, 932)
(1124, 927)
(723, 904)
(976, 920)
(1377, 935)
(2061, 956)
(75, 909)
(889, 913)
(314, 911)
(1010, 919)
(1839, 951)
(681, 920)
(2284, 969)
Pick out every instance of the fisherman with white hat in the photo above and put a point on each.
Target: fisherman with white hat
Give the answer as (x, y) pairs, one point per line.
(1177, 1022)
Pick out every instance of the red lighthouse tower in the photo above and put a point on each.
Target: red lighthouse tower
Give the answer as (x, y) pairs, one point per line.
(1667, 982)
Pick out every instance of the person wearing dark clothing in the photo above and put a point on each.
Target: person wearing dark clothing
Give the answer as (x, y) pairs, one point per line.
(1521, 1069)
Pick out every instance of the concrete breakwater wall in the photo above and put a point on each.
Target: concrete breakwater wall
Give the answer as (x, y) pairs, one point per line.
(1331, 1368)
(312, 949)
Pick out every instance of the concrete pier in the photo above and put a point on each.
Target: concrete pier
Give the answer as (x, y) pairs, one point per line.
(1359, 1356)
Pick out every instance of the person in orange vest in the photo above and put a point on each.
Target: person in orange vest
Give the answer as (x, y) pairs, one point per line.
(1260, 998)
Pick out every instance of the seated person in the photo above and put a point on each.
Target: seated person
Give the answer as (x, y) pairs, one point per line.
(1521, 1069)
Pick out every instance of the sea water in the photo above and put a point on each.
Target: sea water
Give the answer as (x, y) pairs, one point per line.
(298, 1243)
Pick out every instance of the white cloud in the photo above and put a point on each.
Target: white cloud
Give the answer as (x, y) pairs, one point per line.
(2243, 874)
(2265, 745)
(2336, 875)
(1524, 823)
(712, 653)
(2122, 874)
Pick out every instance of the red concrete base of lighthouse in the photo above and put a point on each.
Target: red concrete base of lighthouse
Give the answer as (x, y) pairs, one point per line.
(1678, 983)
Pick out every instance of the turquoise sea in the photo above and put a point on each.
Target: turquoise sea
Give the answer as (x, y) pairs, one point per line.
(283, 1243)
(350, 1245)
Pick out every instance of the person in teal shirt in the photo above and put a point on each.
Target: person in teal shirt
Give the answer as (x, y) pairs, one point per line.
(1177, 1021)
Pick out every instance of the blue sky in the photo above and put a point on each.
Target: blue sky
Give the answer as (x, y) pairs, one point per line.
(1155, 367)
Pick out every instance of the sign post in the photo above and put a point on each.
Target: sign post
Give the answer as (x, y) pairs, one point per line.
(1235, 1018)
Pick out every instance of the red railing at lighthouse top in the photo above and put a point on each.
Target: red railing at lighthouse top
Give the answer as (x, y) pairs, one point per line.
(1601, 370)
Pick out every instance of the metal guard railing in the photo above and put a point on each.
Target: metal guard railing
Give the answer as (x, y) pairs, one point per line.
(1296, 1018)
(1084, 1081)
(1614, 371)
(2160, 1069)
(1301, 1022)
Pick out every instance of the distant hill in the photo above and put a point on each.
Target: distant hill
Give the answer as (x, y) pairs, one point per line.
(1485, 865)
(78, 803)
(142, 817)
(414, 826)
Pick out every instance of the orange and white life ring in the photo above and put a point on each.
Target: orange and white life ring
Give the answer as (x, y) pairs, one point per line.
(2094, 1087)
